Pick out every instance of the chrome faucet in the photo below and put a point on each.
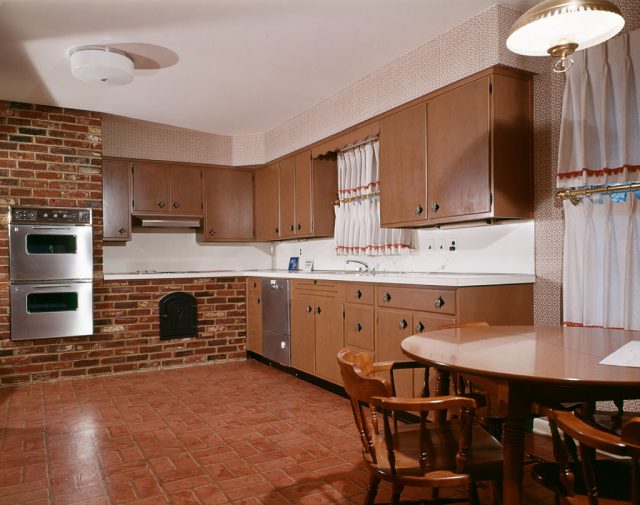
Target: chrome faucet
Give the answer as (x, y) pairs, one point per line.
(364, 268)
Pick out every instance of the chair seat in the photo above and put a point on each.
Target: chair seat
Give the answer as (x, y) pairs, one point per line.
(613, 479)
(484, 460)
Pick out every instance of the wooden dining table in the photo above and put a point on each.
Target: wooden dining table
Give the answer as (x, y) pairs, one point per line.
(528, 364)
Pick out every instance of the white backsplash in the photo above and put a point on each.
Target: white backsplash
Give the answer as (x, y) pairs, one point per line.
(500, 248)
(179, 251)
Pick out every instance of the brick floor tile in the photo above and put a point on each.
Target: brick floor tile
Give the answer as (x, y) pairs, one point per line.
(237, 433)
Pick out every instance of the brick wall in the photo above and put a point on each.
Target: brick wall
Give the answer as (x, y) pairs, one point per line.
(52, 157)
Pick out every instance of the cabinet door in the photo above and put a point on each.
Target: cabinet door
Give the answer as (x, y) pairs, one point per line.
(303, 194)
(186, 190)
(150, 188)
(287, 197)
(403, 166)
(393, 327)
(228, 205)
(359, 327)
(329, 338)
(303, 341)
(459, 147)
(254, 315)
(267, 209)
(116, 203)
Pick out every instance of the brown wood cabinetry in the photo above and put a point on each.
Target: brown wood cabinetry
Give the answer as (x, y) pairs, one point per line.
(463, 154)
(162, 188)
(317, 327)
(228, 213)
(294, 198)
(116, 203)
(267, 203)
(403, 166)
(254, 314)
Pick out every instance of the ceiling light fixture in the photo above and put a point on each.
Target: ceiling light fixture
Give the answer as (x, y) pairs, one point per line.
(561, 27)
(101, 64)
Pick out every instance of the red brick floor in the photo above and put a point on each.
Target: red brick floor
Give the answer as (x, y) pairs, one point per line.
(240, 433)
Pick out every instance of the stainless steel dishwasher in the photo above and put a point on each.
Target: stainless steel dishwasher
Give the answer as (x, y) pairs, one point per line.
(276, 320)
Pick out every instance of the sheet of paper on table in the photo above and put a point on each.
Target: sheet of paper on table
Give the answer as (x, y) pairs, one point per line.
(627, 355)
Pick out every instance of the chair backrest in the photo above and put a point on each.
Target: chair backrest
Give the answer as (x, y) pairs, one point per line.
(590, 439)
(361, 386)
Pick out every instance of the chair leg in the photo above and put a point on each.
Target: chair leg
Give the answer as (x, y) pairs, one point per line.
(472, 490)
(395, 494)
(372, 490)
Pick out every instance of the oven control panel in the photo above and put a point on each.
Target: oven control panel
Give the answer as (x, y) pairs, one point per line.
(49, 215)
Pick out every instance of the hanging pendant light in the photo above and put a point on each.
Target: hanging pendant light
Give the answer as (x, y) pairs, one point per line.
(561, 27)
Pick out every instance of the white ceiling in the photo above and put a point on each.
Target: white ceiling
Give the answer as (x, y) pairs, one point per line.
(222, 66)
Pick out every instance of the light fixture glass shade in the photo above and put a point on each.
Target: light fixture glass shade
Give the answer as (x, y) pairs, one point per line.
(101, 65)
(553, 25)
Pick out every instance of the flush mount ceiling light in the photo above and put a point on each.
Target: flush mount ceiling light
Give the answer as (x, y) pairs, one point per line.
(561, 27)
(101, 64)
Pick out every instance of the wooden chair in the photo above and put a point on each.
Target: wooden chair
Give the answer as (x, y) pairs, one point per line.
(436, 455)
(578, 477)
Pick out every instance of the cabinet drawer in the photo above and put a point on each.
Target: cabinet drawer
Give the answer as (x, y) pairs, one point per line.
(359, 326)
(315, 287)
(426, 300)
(359, 293)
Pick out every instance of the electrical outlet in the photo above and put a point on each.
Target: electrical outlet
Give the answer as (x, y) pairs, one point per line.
(440, 244)
(452, 244)
(430, 244)
(300, 252)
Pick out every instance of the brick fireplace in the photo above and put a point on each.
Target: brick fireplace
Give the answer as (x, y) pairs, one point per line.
(52, 157)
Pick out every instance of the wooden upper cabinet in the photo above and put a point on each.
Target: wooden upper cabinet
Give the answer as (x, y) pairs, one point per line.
(459, 141)
(116, 203)
(267, 206)
(303, 194)
(403, 167)
(186, 190)
(161, 188)
(294, 197)
(228, 213)
(463, 154)
(287, 184)
(150, 188)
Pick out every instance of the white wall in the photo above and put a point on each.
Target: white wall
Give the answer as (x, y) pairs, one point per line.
(177, 250)
(499, 248)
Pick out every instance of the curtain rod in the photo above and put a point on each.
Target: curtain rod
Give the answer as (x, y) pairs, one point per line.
(573, 194)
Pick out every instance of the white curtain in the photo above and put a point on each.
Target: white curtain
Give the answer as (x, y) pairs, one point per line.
(601, 274)
(357, 228)
(600, 127)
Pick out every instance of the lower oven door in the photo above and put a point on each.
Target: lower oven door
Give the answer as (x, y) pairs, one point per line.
(51, 310)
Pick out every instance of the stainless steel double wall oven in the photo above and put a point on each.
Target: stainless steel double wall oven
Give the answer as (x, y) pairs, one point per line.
(51, 272)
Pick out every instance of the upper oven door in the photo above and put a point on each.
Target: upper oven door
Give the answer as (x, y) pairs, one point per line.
(41, 252)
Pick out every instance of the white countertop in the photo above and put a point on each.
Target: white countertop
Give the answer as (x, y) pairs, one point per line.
(417, 278)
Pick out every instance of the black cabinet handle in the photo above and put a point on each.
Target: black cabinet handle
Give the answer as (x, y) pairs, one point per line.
(291, 228)
(299, 226)
(435, 206)
(309, 309)
(212, 232)
(318, 309)
(176, 205)
(358, 294)
(439, 302)
(161, 205)
(358, 327)
(419, 327)
(403, 324)
(277, 230)
(387, 297)
(419, 209)
(122, 231)
(258, 301)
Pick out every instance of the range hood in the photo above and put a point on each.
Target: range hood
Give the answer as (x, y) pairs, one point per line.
(166, 222)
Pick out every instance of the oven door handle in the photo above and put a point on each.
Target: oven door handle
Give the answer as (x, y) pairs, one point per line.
(47, 286)
(59, 228)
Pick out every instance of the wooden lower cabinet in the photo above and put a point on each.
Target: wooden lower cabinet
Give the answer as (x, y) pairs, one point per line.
(303, 335)
(329, 317)
(254, 314)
